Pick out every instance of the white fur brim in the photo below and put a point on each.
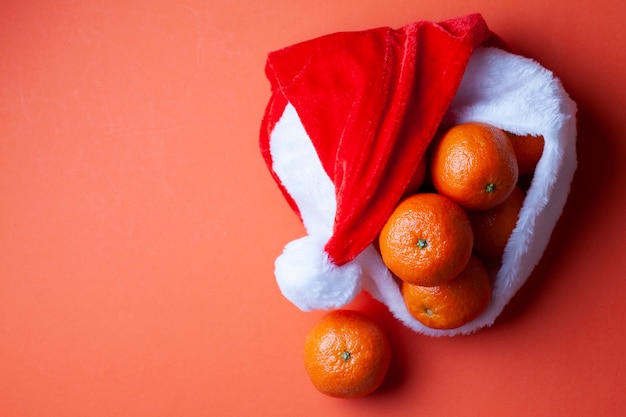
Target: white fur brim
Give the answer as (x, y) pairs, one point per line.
(500, 88)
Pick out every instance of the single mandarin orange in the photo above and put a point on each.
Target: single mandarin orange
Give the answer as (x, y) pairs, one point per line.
(427, 240)
(528, 151)
(492, 228)
(453, 304)
(346, 354)
(474, 165)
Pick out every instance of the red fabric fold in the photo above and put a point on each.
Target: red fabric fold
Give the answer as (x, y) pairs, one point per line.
(371, 102)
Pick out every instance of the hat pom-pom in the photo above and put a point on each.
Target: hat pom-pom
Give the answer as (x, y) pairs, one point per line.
(309, 279)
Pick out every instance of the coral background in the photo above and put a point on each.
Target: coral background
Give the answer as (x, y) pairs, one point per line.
(139, 225)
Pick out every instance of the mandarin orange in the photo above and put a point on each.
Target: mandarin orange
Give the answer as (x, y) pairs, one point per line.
(427, 240)
(453, 304)
(528, 151)
(474, 165)
(346, 354)
(492, 228)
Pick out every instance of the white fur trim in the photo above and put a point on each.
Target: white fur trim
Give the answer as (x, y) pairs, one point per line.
(304, 273)
(296, 162)
(308, 278)
(503, 89)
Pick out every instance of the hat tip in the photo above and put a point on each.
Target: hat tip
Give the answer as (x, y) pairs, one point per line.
(309, 279)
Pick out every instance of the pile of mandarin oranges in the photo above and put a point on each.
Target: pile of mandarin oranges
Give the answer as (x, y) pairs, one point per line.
(450, 228)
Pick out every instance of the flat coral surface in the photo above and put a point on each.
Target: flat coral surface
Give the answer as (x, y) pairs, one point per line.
(139, 224)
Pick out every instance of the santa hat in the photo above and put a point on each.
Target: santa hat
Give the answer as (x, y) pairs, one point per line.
(349, 120)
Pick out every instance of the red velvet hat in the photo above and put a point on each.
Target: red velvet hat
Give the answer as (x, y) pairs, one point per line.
(371, 102)
(348, 122)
